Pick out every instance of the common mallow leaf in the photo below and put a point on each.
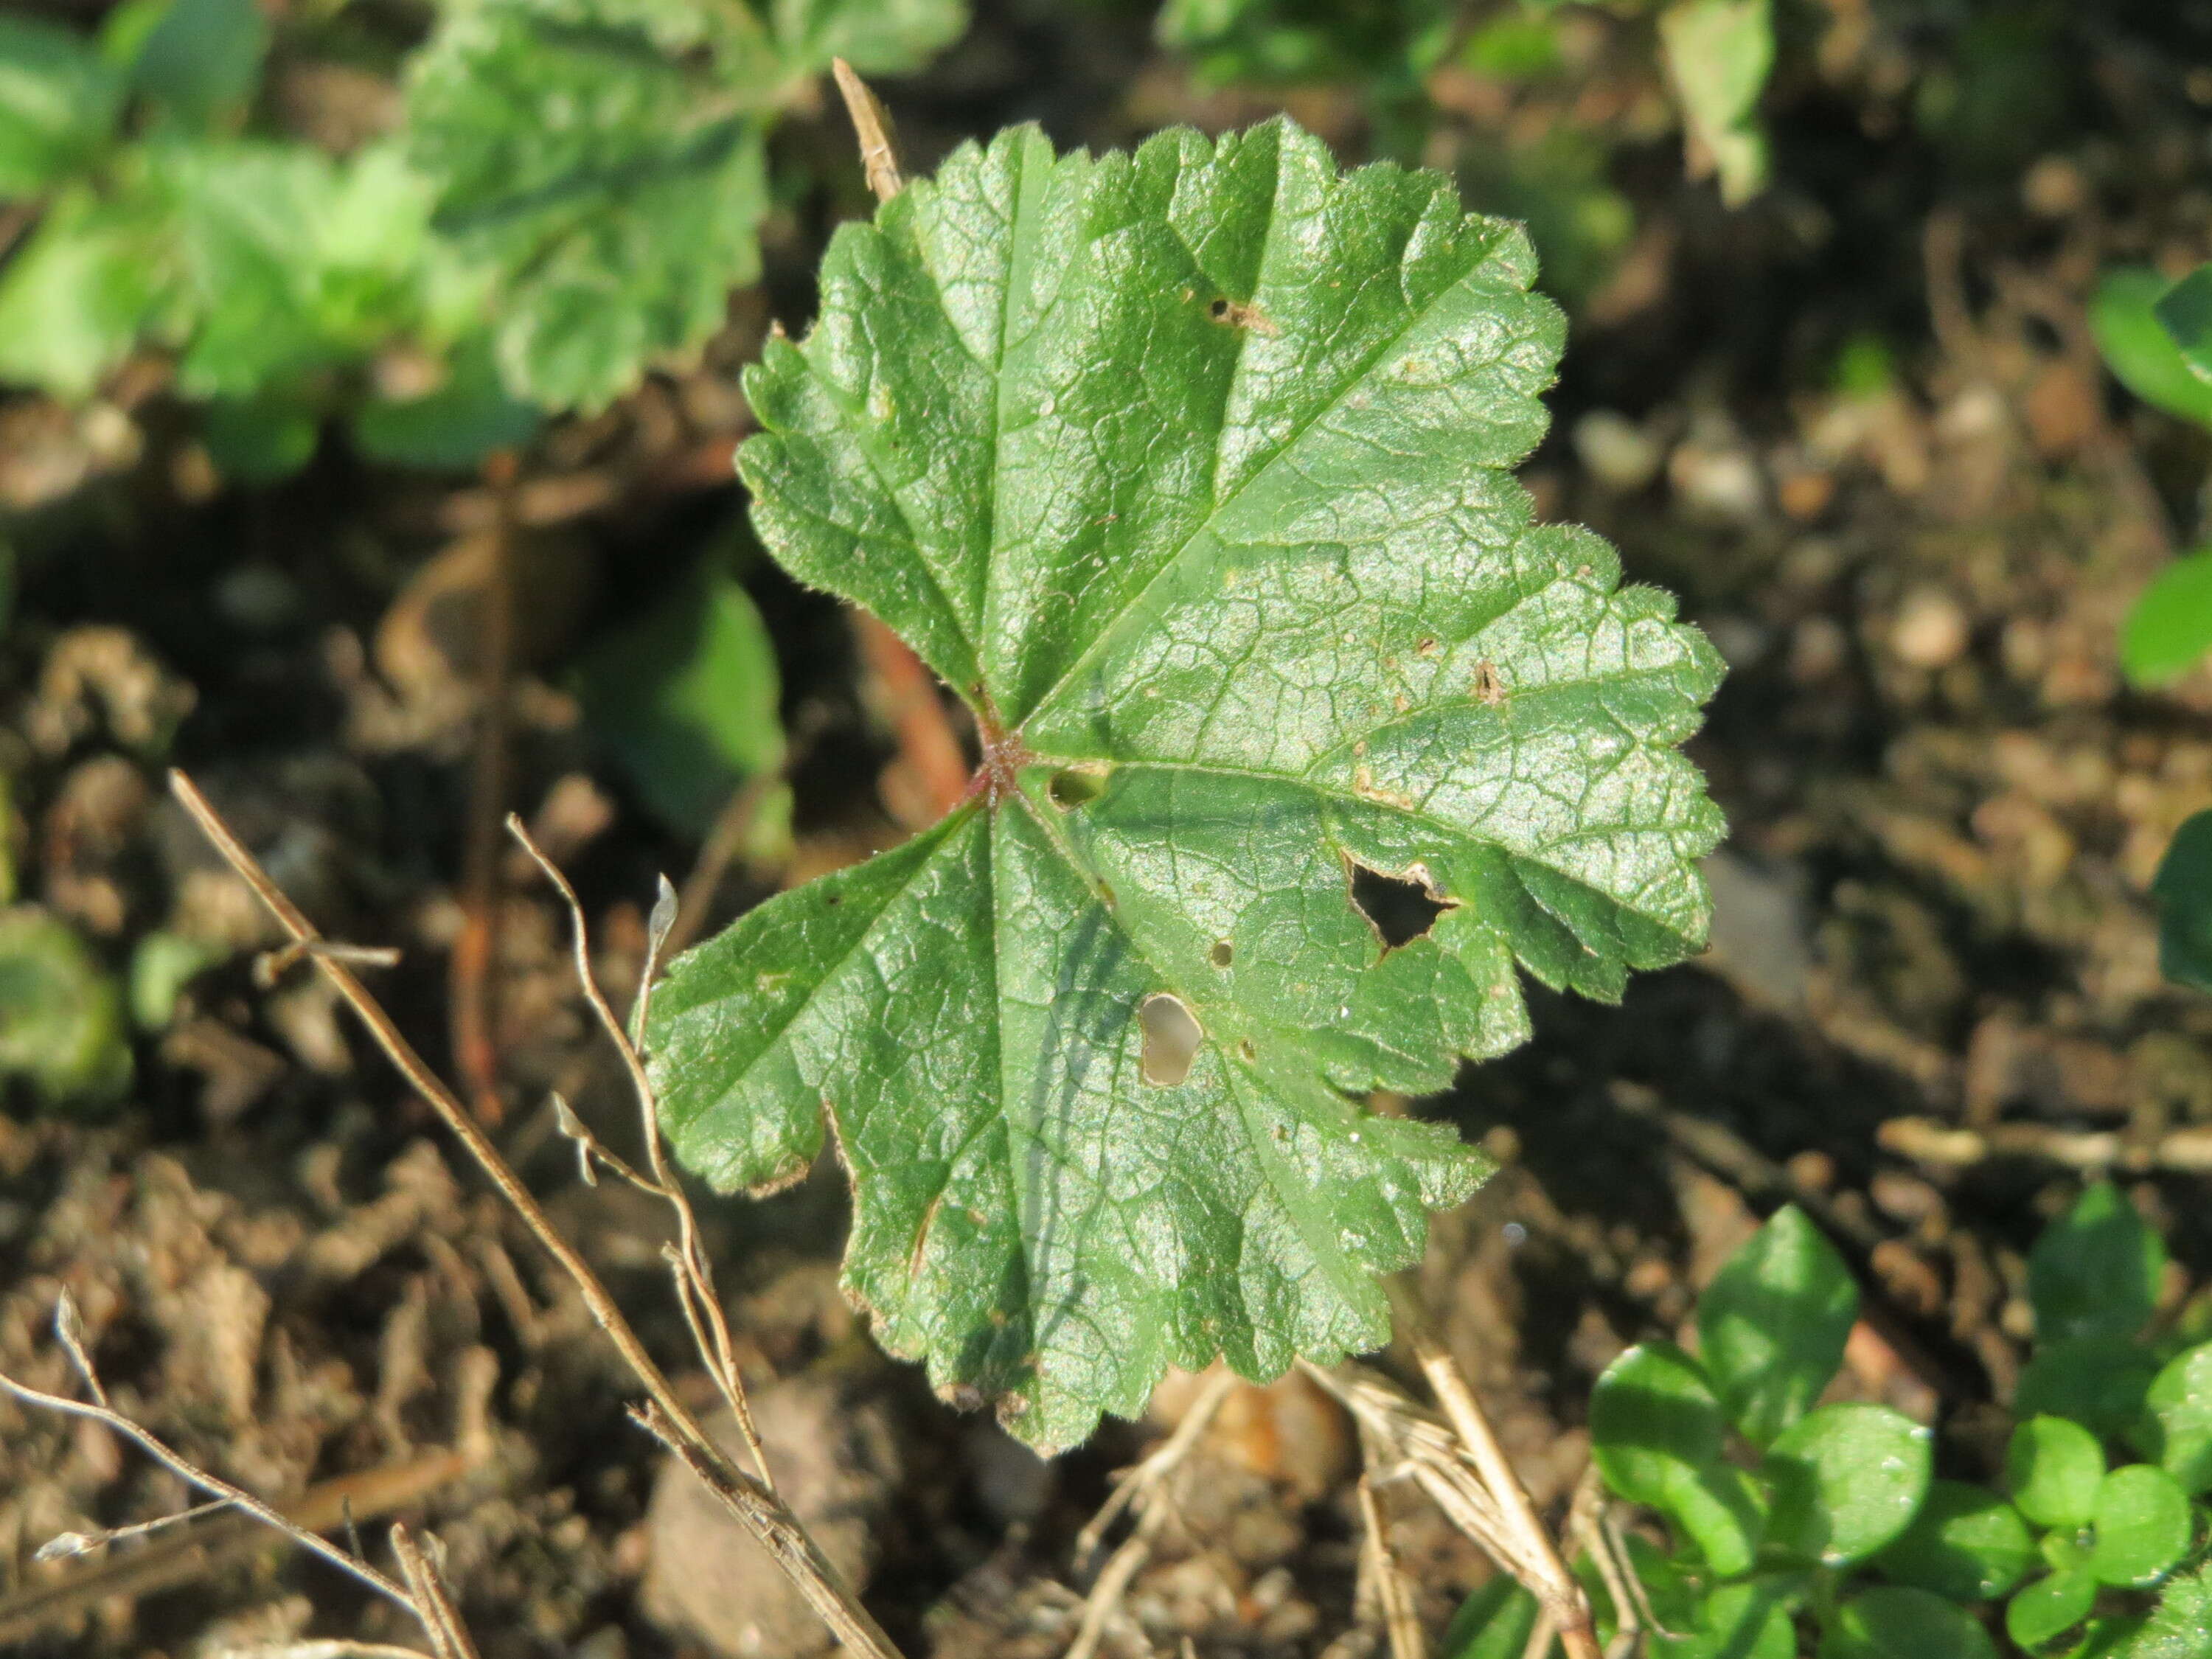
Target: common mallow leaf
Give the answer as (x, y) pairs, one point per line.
(1189, 470)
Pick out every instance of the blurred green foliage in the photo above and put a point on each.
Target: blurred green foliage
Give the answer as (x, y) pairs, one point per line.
(572, 189)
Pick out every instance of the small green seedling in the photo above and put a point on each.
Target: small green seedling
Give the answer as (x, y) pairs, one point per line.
(1190, 472)
(1803, 1528)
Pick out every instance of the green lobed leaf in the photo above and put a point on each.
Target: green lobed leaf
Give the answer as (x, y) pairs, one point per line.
(2142, 1526)
(2169, 628)
(2053, 1467)
(606, 160)
(1188, 470)
(2096, 1271)
(2136, 348)
(58, 102)
(1966, 1543)
(2185, 311)
(1847, 1479)
(2183, 889)
(1718, 54)
(1771, 1325)
(1896, 1623)
(1656, 1434)
(2177, 1628)
(2052, 1605)
(2176, 1429)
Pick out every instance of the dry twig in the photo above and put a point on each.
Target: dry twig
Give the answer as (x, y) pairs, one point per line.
(754, 1505)
(694, 1275)
(1409, 1442)
(926, 739)
(1399, 1620)
(1147, 1490)
(424, 1594)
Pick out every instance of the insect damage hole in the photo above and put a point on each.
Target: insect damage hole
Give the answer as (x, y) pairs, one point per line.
(1072, 787)
(1172, 1034)
(1399, 908)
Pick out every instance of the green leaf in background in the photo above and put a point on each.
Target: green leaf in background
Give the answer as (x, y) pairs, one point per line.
(61, 1017)
(58, 101)
(2096, 1271)
(1966, 1544)
(2136, 348)
(77, 293)
(258, 440)
(608, 166)
(876, 37)
(2169, 628)
(161, 966)
(1847, 1479)
(2186, 311)
(295, 262)
(454, 428)
(685, 698)
(2177, 1423)
(201, 58)
(1718, 54)
(2053, 1469)
(2097, 1381)
(2183, 889)
(1746, 1620)
(1495, 1622)
(1771, 1325)
(1386, 44)
(1188, 470)
(1899, 1622)
(1656, 1434)
(2052, 1605)
(2142, 1526)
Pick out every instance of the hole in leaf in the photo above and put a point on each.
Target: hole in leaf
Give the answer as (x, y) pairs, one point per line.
(1172, 1034)
(1235, 313)
(1223, 953)
(1399, 908)
(1072, 786)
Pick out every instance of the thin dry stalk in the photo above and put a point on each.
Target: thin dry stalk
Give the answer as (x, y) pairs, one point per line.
(183, 1468)
(1551, 1582)
(1414, 1444)
(757, 1509)
(1147, 1489)
(871, 122)
(172, 1555)
(693, 1275)
(1595, 1528)
(432, 1599)
(926, 739)
(1401, 1623)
